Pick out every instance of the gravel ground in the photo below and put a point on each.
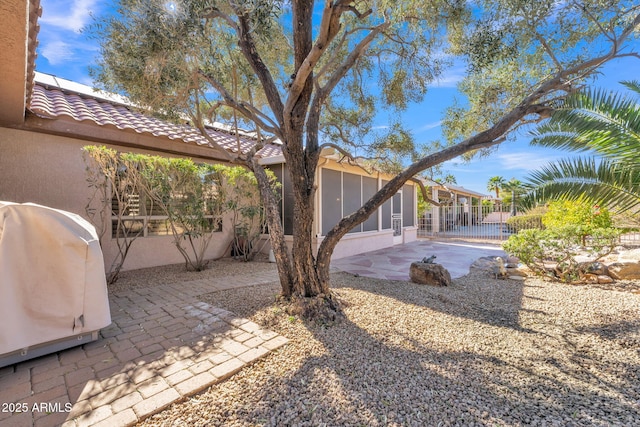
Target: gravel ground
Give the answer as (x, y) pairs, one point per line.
(481, 352)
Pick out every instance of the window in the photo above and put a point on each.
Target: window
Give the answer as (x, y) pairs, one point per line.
(286, 197)
(141, 217)
(408, 205)
(331, 199)
(386, 212)
(344, 193)
(369, 188)
(351, 197)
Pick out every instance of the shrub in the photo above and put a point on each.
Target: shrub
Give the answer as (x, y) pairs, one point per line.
(193, 197)
(248, 216)
(552, 252)
(190, 196)
(563, 213)
(113, 199)
(524, 222)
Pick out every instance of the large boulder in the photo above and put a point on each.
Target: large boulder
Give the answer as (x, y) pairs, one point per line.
(425, 273)
(494, 265)
(625, 270)
(597, 268)
(629, 255)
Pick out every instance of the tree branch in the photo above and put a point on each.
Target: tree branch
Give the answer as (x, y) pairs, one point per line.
(250, 52)
(214, 12)
(197, 119)
(423, 190)
(329, 27)
(246, 110)
(547, 48)
(323, 93)
(346, 155)
(589, 66)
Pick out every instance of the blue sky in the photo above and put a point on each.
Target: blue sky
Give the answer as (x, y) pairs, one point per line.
(66, 52)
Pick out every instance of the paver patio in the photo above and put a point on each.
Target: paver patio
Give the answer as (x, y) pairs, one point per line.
(163, 344)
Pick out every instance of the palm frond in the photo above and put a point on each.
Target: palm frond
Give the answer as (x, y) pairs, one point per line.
(632, 85)
(600, 121)
(604, 182)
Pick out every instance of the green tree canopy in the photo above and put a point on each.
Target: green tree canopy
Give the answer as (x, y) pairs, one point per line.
(313, 74)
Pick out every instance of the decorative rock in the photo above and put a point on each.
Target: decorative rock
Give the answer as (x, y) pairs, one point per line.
(517, 277)
(513, 260)
(429, 274)
(492, 265)
(604, 279)
(521, 272)
(596, 268)
(625, 270)
(629, 256)
(590, 278)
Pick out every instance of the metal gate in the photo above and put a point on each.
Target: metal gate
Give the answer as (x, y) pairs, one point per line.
(464, 222)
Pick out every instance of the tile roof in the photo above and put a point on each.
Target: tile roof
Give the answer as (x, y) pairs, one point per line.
(52, 103)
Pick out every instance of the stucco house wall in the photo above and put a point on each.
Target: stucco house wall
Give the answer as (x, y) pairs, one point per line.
(50, 170)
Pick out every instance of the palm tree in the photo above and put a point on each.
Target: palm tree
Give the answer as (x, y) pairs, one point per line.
(496, 183)
(447, 179)
(608, 125)
(516, 188)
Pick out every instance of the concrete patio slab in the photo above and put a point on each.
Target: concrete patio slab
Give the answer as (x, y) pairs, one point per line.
(164, 344)
(393, 263)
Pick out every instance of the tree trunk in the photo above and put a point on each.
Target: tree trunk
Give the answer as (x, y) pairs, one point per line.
(302, 170)
(276, 233)
(298, 273)
(306, 279)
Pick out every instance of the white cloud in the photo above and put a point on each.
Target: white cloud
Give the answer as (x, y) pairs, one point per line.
(379, 127)
(57, 52)
(429, 126)
(60, 14)
(524, 161)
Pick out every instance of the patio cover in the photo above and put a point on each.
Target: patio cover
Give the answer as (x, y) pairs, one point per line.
(52, 278)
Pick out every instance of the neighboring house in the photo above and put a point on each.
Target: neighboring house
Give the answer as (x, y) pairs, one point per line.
(458, 207)
(45, 121)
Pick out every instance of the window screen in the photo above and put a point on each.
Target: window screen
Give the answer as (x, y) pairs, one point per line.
(408, 205)
(331, 199)
(351, 196)
(397, 203)
(386, 212)
(369, 188)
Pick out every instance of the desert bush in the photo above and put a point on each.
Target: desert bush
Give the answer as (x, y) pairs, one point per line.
(114, 200)
(553, 251)
(565, 212)
(189, 194)
(524, 222)
(248, 217)
(193, 197)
